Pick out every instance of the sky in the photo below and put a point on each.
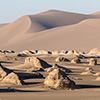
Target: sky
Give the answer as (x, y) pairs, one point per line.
(11, 10)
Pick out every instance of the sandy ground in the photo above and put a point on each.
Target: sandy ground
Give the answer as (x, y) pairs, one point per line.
(86, 86)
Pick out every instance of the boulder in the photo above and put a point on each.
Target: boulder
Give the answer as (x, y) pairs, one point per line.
(4, 71)
(60, 59)
(12, 78)
(88, 73)
(43, 52)
(95, 51)
(89, 69)
(56, 66)
(34, 69)
(71, 52)
(75, 60)
(97, 74)
(36, 62)
(93, 62)
(55, 52)
(57, 79)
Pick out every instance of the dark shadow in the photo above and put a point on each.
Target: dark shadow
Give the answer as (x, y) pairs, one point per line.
(30, 75)
(16, 90)
(5, 62)
(87, 86)
(29, 83)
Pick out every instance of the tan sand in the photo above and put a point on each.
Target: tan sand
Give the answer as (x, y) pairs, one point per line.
(61, 30)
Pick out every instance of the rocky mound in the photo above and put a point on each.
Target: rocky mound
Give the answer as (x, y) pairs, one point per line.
(57, 79)
(35, 62)
(95, 51)
(56, 66)
(92, 62)
(60, 59)
(8, 76)
(88, 73)
(13, 78)
(4, 71)
(75, 60)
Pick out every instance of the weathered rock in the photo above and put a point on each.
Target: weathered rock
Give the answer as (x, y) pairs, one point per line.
(57, 79)
(97, 74)
(98, 79)
(60, 59)
(4, 71)
(63, 52)
(36, 62)
(95, 51)
(75, 60)
(93, 62)
(71, 52)
(43, 52)
(87, 73)
(55, 66)
(12, 78)
(34, 69)
(89, 69)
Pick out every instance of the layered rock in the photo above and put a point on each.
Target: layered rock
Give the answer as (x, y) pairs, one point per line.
(57, 79)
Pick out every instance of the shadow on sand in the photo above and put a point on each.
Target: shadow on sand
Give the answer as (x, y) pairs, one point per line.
(87, 86)
(16, 90)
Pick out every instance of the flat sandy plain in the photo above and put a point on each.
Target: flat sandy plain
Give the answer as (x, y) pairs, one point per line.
(87, 88)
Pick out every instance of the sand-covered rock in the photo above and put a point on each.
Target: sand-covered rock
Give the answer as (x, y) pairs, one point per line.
(95, 51)
(57, 79)
(36, 62)
(55, 52)
(34, 69)
(88, 73)
(75, 60)
(63, 52)
(33, 62)
(93, 62)
(60, 59)
(56, 66)
(98, 79)
(97, 74)
(12, 78)
(89, 69)
(43, 52)
(33, 51)
(4, 71)
(71, 52)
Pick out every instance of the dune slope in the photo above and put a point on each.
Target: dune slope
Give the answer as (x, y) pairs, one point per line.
(52, 30)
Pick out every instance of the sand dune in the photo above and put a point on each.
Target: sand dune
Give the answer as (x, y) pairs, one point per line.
(52, 30)
(2, 25)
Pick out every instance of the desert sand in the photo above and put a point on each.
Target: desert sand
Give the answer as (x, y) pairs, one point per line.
(59, 29)
(50, 55)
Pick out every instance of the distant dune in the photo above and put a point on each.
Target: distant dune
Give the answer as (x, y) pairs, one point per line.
(52, 30)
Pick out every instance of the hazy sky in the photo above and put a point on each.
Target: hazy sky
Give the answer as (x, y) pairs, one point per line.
(10, 10)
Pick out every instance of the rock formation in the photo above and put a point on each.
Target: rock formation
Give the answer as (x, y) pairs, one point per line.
(95, 51)
(93, 62)
(75, 60)
(55, 66)
(12, 78)
(57, 79)
(36, 62)
(60, 59)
